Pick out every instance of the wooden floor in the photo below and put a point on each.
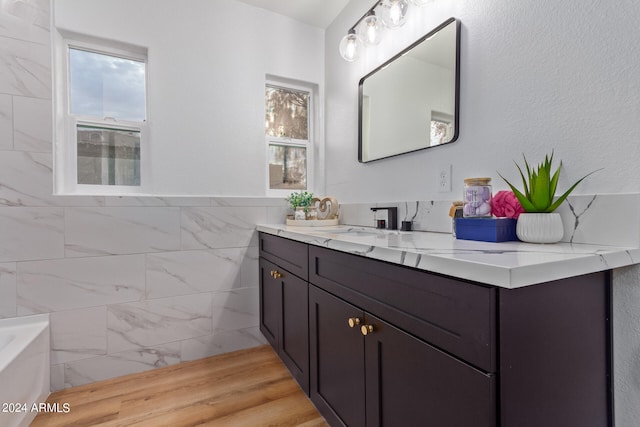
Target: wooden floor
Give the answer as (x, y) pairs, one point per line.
(245, 388)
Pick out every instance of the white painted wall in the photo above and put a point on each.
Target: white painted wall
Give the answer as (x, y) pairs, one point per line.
(536, 76)
(207, 66)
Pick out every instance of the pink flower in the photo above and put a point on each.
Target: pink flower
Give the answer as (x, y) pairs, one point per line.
(505, 204)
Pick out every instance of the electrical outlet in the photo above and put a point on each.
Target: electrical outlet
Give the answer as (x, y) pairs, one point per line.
(444, 178)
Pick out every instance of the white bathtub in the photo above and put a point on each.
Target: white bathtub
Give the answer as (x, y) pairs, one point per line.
(24, 368)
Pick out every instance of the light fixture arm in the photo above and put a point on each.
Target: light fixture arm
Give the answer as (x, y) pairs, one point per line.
(369, 12)
(384, 13)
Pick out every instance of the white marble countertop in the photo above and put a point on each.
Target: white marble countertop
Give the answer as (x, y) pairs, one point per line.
(505, 264)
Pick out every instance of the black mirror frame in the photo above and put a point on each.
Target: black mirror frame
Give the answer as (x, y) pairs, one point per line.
(456, 120)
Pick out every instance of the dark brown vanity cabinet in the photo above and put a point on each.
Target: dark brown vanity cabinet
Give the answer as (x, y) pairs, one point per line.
(388, 377)
(394, 346)
(284, 303)
(366, 371)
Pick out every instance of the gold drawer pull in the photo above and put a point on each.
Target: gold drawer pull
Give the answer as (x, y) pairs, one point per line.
(366, 329)
(354, 321)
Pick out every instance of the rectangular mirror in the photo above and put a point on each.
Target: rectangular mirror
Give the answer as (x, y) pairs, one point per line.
(410, 102)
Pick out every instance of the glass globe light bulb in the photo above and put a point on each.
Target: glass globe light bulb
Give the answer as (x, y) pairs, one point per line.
(370, 30)
(394, 13)
(350, 47)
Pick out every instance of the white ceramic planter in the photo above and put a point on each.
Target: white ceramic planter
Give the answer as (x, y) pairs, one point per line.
(539, 227)
(299, 214)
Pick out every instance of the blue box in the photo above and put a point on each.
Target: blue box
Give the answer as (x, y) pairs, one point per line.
(486, 229)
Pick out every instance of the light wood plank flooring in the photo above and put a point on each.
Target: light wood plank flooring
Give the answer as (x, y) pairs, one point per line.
(245, 388)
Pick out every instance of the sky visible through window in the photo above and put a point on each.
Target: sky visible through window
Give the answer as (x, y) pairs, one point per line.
(106, 86)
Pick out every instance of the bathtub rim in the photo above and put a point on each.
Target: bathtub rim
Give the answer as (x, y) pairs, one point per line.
(25, 329)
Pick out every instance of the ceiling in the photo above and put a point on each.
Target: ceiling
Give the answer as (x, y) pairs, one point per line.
(318, 13)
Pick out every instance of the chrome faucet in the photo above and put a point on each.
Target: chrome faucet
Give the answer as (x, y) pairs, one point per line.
(392, 218)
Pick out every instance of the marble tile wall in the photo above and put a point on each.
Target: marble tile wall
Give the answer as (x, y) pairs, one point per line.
(131, 283)
(430, 215)
(605, 219)
(134, 283)
(134, 287)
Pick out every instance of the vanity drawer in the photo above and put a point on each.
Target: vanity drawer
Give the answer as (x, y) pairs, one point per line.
(288, 254)
(455, 316)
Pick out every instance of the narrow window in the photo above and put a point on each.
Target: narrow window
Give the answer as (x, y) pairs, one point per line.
(288, 130)
(108, 102)
(103, 105)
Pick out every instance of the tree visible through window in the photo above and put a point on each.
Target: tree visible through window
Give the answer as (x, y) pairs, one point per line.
(441, 128)
(287, 113)
(287, 131)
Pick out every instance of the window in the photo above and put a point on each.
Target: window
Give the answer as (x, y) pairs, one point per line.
(441, 128)
(103, 103)
(288, 135)
(108, 156)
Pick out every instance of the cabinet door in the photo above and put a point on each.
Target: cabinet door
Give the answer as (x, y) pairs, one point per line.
(294, 334)
(412, 384)
(284, 319)
(270, 303)
(337, 355)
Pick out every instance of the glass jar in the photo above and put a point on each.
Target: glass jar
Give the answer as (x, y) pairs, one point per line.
(477, 197)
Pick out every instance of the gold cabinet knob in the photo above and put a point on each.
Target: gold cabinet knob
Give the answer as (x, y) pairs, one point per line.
(275, 274)
(366, 329)
(354, 321)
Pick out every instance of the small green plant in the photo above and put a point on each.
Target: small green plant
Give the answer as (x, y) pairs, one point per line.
(540, 187)
(302, 199)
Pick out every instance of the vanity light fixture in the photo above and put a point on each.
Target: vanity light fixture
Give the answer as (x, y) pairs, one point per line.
(350, 46)
(394, 12)
(368, 30)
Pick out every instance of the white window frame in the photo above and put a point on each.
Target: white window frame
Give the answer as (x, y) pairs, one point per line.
(65, 125)
(284, 141)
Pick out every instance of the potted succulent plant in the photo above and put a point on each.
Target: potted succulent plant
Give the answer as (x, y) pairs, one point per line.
(300, 203)
(539, 223)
